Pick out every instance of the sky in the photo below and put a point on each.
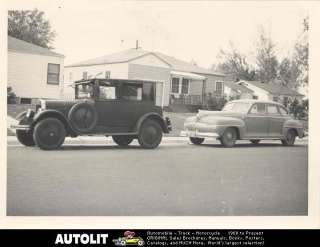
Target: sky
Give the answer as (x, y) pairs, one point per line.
(188, 30)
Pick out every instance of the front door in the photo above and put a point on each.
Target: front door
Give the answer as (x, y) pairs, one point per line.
(257, 121)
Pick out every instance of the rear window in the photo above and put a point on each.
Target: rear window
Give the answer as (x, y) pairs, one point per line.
(273, 109)
(258, 108)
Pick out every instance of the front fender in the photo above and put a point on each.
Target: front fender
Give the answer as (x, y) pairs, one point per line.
(293, 124)
(55, 114)
(223, 123)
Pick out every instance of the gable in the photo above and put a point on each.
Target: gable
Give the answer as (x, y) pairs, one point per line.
(150, 60)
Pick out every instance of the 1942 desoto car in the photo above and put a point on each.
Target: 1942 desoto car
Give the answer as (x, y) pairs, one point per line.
(252, 120)
(123, 109)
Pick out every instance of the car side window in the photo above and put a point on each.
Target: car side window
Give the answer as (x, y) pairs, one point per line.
(132, 92)
(273, 110)
(258, 108)
(283, 111)
(107, 92)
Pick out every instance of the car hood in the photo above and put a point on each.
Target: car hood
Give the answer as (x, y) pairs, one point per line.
(62, 106)
(218, 114)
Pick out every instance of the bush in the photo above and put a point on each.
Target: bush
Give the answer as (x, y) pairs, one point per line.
(11, 96)
(299, 110)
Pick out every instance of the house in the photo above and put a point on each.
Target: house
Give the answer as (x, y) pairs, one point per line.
(274, 91)
(179, 81)
(33, 71)
(232, 91)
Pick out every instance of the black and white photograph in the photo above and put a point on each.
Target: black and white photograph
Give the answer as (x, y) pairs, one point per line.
(158, 108)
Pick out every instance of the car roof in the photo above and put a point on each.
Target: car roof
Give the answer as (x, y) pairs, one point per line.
(252, 101)
(114, 80)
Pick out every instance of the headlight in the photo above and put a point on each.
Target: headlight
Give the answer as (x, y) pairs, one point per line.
(29, 113)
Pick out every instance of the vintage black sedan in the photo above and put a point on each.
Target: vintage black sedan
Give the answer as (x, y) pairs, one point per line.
(123, 109)
(252, 120)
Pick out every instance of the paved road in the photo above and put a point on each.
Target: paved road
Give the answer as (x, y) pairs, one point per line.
(93, 178)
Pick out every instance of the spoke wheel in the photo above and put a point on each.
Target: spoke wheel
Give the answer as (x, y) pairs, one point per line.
(229, 137)
(255, 142)
(49, 134)
(289, 138)
(122, 140)
(150, 134)
(196, 140)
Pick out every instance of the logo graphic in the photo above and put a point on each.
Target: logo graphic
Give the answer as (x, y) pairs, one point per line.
(128, 239)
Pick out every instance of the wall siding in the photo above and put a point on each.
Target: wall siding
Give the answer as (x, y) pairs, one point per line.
(27, 75)
(137, 71)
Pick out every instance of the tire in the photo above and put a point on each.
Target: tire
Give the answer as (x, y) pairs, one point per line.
(289, 138)
(25, 138)
(49, 133)
(196, 140)
(83, 117)
(229, 137)
(150, 134)
(140, 243)
(122, 140)
(255, 142)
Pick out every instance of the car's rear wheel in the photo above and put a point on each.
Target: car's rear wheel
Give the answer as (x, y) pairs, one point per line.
(255, 142)
(150, 134)
(196, 140)
(25, 137)
(49, 133)
(122, 140)
(289, 138)
(229, 137)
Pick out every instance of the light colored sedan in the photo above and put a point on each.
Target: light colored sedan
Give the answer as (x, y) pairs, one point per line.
(252, 120)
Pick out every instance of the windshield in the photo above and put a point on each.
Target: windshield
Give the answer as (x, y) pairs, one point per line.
(84, 91)
(240, 107)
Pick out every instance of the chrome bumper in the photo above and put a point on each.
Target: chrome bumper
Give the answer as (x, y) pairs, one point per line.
(188, 133)
(20, 127)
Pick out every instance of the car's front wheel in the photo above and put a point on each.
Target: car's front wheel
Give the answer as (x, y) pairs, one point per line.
(122, 140)
(196, 140)
(289, 138)
(255, 142)
(49, 133)
(229, 137)
(150, 134)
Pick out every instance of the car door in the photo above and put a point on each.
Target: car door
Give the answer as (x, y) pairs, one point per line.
(277, 117)
(109, 108)
(257, 121)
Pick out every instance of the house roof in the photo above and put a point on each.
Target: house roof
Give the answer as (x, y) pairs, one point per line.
(18, 45)
(274, 88)
(237, 87)
(132, 54)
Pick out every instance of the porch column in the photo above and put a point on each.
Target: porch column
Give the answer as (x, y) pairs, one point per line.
(204, 85)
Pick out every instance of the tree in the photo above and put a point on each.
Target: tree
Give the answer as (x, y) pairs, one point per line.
(301, 54)
(30, 26)
(288, 72)
(234, 64)
(266, 60)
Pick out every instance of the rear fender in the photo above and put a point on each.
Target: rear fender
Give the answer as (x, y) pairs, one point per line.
(155, 116)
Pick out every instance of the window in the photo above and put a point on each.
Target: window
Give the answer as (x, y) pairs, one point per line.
(107, 74)
(175, 85)
(53, 73)
(283, 111)
(258, 109)
(273, 109)
(107, 92)
(185, 86)
(275, 98)
(25, 101)
(148, 91)
(219, 87)
(84, 75)
(255, 97)
(84, 91)
(132, 92)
